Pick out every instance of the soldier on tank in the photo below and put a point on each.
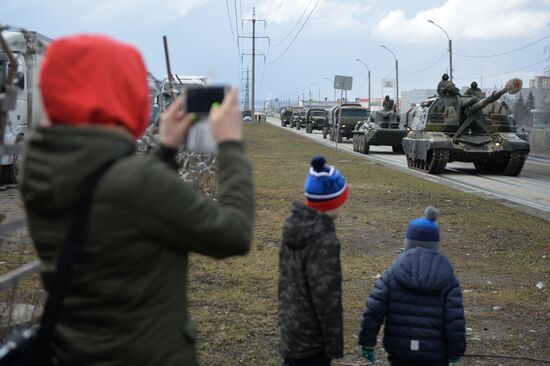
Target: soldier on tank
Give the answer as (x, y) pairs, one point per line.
(388, 105)
(446, 87)
(473, 91)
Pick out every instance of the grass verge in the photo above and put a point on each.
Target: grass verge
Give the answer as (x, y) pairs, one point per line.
(499, 254)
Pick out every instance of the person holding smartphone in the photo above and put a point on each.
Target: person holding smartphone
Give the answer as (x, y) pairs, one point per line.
(126, 301)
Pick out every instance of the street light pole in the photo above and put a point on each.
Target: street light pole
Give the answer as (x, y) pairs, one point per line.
(332, 82)
(318, 90)
(450, 48)
(364, 64)
(396, 76)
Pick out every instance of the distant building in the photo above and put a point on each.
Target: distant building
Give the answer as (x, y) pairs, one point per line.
(540, 82)
(411, 98)
(540, 88)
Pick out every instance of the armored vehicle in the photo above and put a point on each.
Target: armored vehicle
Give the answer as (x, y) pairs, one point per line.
(298, 118)
(316, 119)
(342, 120)
(468, 129)
(286, 116)
(382, 128)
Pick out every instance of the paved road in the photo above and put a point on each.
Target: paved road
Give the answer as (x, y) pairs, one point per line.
(530, 191)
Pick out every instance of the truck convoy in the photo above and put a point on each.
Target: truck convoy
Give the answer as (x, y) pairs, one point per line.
(468, 129)
(342, 120)
(28, 48)
(286, 116)
(298, 118)
(316, 119)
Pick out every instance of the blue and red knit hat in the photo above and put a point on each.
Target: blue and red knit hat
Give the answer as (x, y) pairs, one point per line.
(325, 188)
(424, 231)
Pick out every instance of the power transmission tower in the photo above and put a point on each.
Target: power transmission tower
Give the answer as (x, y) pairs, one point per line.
(254, 54)
(247, 92)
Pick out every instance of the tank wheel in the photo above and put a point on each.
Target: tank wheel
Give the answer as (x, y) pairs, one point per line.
(515, 163)
(366, 147)
(437, 161)
(325, 132)
(398, 149)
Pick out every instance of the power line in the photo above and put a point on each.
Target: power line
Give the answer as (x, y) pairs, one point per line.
(279, 10)
(237, 30)
(230, 22)
(295, 25)
(429, 66)
(269, 10)
(236, 18)
(504, 73)
(516, 42)
(297, 34)
(504, 53)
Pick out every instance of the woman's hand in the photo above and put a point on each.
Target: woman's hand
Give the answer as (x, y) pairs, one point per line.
(226, 120)
(174, 124)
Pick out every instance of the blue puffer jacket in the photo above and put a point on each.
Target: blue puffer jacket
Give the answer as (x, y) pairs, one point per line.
(420, 298)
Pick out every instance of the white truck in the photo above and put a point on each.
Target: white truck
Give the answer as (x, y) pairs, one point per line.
(28, 48)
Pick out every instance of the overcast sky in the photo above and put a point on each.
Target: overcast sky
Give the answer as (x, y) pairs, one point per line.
(339, 31)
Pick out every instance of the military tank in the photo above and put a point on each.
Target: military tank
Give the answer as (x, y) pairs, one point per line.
(382, 128)
(467, 129)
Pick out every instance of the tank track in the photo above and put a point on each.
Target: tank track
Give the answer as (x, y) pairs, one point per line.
(515, 164)
(436, 165)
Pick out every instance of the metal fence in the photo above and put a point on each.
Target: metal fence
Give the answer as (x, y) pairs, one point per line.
(21, 293)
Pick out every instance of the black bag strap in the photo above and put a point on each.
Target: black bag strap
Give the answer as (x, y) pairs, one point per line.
(70, 251)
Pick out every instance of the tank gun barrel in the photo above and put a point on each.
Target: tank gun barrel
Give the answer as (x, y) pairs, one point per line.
(512, 86)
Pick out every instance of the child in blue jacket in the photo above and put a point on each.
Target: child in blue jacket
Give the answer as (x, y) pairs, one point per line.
(420, 300)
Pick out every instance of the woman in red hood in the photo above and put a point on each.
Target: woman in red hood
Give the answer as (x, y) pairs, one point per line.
(126, 302)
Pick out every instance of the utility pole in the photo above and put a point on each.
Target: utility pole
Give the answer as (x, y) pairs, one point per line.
(364, 64)
(253, 54)
(247, 94)
(396, 76)
(450, 48)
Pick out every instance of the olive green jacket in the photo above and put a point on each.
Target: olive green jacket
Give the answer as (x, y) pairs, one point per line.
(127, 299)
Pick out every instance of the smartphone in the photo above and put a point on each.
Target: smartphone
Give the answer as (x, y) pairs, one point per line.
(199, 100)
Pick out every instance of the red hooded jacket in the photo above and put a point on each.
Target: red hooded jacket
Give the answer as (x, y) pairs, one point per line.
(93, 79)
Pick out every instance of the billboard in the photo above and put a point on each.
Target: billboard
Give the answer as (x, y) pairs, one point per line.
(343, 82)
(387, 83)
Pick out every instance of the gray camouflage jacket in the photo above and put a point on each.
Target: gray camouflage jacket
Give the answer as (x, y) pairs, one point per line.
(310, 286)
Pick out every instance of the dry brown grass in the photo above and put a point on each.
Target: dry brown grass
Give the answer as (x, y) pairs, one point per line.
(499, 255)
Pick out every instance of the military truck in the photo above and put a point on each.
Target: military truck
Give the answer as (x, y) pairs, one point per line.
(28, 49)
(381, 128)
(286, 116)
(342, 120)
(298, 118)
(468, 129)
(316, 119)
